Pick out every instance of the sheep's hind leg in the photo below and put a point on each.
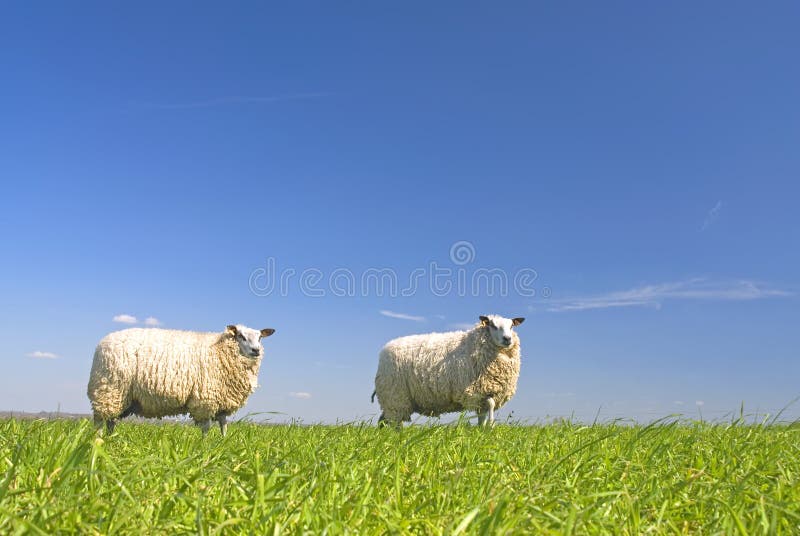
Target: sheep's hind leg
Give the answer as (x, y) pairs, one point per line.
(383, 422)
(110, 424)
(394, 419)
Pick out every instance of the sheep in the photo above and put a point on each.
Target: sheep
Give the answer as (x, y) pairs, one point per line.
(444, 372)
(160, 372)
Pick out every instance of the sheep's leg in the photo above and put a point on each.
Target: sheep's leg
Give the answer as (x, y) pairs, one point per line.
(481, 417)
(490, 410)
(133, 409)
(102, 426)
(223, 424)
(204, 426)
(383, 422)
(99, 422)
(392, 418)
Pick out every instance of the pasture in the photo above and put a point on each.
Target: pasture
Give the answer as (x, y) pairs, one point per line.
(671, 477)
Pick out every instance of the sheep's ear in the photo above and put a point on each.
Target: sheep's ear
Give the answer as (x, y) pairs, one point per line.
(484, 320)
(517, 321)
(266, 332)
(231, 330)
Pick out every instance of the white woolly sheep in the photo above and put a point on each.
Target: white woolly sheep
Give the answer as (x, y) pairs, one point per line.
(160, 372)
(444, 372)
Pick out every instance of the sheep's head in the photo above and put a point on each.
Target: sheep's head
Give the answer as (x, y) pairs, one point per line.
(500, 329)
(249, 340)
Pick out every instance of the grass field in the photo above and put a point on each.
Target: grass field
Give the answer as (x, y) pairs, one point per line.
(671, 478)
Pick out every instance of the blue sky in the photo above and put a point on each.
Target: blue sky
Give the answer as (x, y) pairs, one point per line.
(641, 159)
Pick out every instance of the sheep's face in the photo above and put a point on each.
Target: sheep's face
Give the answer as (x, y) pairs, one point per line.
(500, 329)
(249, 340)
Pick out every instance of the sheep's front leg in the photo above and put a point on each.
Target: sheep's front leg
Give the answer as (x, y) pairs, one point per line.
(99, 423)
(486, 412)
(223, 424)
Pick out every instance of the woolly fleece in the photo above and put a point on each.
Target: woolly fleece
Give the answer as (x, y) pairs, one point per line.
(444, 372)
(159, 372)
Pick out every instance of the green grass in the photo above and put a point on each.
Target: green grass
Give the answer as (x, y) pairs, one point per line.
(667, 478)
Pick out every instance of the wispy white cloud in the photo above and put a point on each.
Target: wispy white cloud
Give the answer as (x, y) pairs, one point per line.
(402, 316)
(699, 403)
(678, 402)
(152, 321)
(232, 100)
(38, 354)
(462, 325)
(302, 395)
(712, 215)
(125, 319)
(654, 295)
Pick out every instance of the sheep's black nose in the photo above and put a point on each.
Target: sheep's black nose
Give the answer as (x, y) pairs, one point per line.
(507, 340)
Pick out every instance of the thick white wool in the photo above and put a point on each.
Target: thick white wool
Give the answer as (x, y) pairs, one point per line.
(444, 372)
(159, 372)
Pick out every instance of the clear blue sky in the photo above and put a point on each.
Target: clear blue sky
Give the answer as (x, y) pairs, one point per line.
(642, 158)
